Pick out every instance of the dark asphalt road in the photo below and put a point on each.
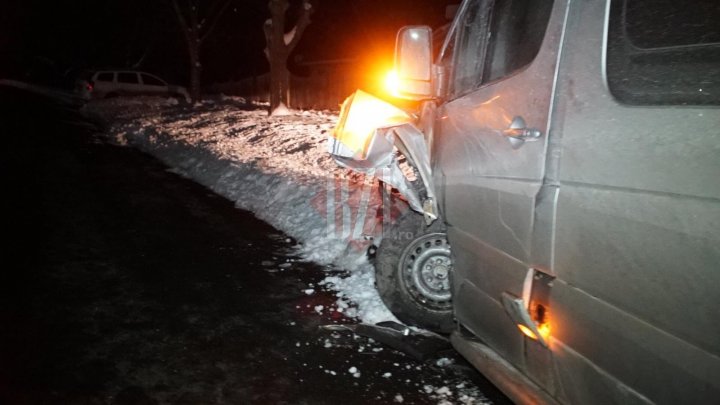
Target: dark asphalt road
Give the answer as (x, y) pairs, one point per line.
(123, 283)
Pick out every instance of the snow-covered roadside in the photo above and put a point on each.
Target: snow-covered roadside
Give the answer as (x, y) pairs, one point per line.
(276, 167)
(57, 94)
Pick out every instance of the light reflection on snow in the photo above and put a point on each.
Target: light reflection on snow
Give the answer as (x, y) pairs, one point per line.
(274, 167)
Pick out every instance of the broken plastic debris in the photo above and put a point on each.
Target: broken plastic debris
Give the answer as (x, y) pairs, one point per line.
(444, 362)
(419, 344)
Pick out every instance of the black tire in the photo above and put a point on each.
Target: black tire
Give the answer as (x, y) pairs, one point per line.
(413, 267)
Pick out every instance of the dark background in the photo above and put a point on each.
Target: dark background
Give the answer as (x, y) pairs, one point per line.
(51, 42)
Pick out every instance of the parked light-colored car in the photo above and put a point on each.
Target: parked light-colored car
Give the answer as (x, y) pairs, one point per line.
(570, 150)
(114, 83)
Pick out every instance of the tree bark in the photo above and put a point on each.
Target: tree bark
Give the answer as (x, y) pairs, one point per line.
(195, 30)
(195, 72)
(277, 54)
(193, 43)
(278, 49)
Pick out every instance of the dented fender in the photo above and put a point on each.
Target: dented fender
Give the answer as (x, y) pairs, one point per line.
(381, 162)
(365, 139)
(412, 143)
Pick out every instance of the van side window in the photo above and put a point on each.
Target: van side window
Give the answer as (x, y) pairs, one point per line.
(127, 77)
(516, 33)
(470, 47)
(496, 39)
(664, 52)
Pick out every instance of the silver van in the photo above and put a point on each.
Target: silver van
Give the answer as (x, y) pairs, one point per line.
(566, 160)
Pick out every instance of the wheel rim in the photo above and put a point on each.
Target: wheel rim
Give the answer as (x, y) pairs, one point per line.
(426, 266)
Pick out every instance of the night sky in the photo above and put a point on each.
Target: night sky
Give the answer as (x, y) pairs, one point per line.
(51, 40)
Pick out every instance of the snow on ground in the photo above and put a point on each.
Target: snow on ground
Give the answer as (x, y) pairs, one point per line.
(277, 167)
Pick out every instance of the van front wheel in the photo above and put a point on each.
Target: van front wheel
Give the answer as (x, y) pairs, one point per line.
(413, 267)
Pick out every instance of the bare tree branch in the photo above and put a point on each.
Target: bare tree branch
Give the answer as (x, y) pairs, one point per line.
(279, 46)
(214, 18)
(302, 24)
(181, 17)
(196, 25)
(142, 58)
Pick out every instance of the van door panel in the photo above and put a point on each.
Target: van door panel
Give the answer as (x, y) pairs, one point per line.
(622, 350)
(491, 188)
(637, 241)
(493, 275)
(643, 253)
(501, 211)
(600, 387)
(486, 319)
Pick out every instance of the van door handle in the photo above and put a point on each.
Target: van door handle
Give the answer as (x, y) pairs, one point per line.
(518, 133)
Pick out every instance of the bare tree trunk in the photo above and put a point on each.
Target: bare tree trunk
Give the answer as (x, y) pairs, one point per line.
(278, 82)
(195, 30)
(195, 65)
(277, 54)
(279, 48)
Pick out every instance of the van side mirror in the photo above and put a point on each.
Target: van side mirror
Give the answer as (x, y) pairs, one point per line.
(413, 62)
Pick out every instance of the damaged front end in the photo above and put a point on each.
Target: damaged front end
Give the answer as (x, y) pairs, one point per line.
(372, 137)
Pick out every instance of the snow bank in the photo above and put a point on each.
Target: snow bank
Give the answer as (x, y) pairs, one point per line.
(275, 166)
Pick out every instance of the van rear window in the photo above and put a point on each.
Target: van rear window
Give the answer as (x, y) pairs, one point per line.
(664, 52)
